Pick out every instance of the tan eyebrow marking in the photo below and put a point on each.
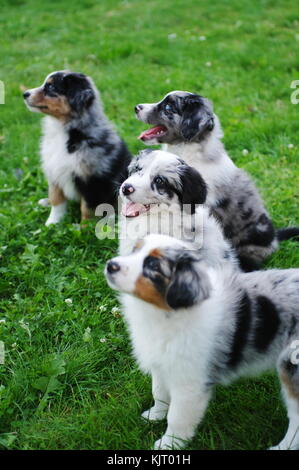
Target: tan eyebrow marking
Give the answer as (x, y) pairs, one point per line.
(156, 253)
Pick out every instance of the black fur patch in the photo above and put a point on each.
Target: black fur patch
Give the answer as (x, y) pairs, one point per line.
(267, 323)
(197, 118)
(288, 233)
(193, 187)
(248, 264)
(243, 322)
(78, 91)
(188, 285)
(98, 189)
(228, 231)
(259, 237)
(76, 137)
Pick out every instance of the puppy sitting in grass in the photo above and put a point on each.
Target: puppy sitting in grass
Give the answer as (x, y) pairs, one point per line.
(83, 158)
(194, 326)
(187, 125)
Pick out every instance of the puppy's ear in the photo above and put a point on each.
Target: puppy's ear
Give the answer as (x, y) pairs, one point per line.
(197, 117)
(188, 285)
(79, 91)
(193, 187)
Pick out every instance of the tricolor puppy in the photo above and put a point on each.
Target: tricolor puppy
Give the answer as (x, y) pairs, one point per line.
(187, 124)
(165, 195)
(83, 158)
(194, 326)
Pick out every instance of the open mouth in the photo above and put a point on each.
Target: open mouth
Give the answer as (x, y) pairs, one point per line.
(153, 133)
(133, 209)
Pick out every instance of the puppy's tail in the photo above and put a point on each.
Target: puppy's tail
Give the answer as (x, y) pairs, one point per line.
(288, 233)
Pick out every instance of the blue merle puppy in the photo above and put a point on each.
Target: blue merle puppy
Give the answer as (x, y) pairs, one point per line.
(83, 158)
(194, 326)
(186, 124)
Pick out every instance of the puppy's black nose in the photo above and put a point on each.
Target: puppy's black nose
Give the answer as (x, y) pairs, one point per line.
(112, 267)
(127, 189)
(26, 94)
(138, 108)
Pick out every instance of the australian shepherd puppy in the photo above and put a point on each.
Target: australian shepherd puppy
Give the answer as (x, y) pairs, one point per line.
(165, 195)
(83, 158)
(193, 326)
(186, 123)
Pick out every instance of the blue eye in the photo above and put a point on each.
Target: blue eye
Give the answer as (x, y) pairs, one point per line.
(168, 108)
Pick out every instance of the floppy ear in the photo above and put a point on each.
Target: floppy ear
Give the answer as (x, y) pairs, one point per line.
(188, 285)
(79, 91)
(197, 117)
(193, 187)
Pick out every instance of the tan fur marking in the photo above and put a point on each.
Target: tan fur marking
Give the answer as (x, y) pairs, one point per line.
(287, 382)
(55, 106)
(156, 253)
(146, 291)
(56, 195)
(86, 213)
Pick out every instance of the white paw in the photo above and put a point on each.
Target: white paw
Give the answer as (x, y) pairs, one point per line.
(154, 415)
(51, 221)
(169, 443)
(44, 202)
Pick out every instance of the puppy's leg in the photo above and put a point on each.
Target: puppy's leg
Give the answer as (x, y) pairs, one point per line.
(289, 377)
(187, 408)
(58, 204)
(86, 212)
(161, 397)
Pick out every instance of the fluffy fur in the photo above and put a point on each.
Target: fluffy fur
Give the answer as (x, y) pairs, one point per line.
(83, 158)
(165, 195)
(193, 326)
(186, 123)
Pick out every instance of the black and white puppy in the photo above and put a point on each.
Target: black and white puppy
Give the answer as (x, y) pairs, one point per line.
(187, 124)
(83, 158)
(193, 326)
(165, 195)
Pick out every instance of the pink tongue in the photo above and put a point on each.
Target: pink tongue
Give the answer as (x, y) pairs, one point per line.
(132, 209)
(154, 131)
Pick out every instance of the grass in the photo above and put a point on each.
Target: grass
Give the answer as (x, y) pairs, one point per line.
(69, 381)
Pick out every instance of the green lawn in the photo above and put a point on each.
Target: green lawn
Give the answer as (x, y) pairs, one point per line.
(69, 381)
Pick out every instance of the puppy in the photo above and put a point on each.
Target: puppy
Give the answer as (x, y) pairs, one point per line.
(83, 158)
(165, 195)
(186, 123)
(193, 326)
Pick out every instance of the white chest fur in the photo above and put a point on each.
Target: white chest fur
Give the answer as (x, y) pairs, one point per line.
(57, 163)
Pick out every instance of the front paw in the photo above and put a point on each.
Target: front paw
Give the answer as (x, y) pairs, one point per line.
(169, 443)
(154, 415)
(51, 221)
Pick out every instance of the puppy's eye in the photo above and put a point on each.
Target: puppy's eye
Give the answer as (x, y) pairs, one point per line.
(152, 263)
(168, 108)
(50, 88)
(159, 181)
